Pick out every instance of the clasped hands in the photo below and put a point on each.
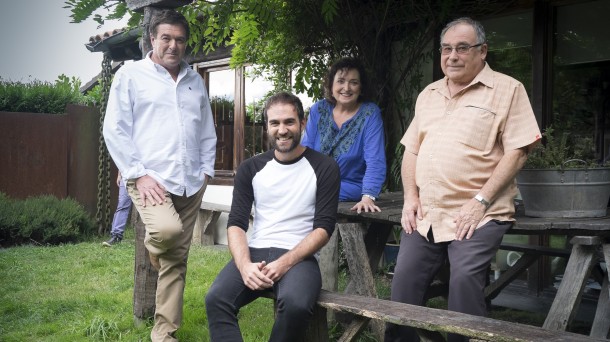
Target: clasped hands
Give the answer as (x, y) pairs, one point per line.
(261, 276)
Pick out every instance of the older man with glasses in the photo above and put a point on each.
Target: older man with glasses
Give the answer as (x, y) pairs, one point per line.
(471, 133)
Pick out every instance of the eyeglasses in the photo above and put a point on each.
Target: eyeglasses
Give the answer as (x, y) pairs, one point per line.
(460, 49)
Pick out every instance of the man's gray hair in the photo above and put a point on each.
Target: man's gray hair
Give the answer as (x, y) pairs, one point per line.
(478, 28)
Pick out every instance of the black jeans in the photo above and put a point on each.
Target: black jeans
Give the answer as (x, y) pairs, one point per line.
(296, 294)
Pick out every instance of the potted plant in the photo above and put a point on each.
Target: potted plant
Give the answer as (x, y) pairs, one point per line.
(562, 178)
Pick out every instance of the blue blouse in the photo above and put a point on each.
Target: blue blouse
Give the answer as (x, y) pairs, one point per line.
(358, 147)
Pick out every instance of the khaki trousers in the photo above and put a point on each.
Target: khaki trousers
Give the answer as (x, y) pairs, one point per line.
(169, 231)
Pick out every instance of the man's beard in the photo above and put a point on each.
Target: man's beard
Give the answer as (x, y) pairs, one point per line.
(296, 139)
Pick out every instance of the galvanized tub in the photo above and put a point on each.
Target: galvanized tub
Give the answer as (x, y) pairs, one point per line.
(565, 193)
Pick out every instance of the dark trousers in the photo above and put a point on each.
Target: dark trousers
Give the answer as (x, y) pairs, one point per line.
(420, 260)
(296, 294)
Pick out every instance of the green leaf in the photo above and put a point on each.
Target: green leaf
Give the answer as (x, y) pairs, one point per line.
(329, 10)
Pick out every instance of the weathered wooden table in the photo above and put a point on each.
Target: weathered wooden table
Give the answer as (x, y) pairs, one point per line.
(590, 239)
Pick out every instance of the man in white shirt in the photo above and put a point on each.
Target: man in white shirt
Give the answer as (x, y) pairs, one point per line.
(160, 133)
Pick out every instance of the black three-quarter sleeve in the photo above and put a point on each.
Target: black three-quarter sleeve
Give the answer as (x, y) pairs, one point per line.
(327, 192)
(243, 196)
(243, 191)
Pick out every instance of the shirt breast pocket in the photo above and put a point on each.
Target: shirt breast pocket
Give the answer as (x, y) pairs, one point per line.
(476, 126)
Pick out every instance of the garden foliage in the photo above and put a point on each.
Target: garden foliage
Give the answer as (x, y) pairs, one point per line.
(41, 97)
(44, 220)
(561, 149)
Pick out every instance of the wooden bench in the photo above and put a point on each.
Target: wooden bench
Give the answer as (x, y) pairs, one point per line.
(203, 233)
(429, 322)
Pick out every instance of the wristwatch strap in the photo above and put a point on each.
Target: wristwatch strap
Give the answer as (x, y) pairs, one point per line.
(370, 196)
(483, 201)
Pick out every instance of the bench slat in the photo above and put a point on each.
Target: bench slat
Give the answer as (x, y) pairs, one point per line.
(442, 320)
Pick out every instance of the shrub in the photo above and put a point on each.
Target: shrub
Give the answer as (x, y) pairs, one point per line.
(43, 220)
(41, 97)
(93, 97)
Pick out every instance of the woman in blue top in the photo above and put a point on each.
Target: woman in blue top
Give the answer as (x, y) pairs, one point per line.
(349, 128)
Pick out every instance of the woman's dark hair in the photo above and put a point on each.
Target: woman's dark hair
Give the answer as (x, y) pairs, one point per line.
(346, 63)
(171, 17)
(285, 98)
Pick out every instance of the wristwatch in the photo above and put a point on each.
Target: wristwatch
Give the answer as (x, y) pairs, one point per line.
(369, 196)
(483, 201)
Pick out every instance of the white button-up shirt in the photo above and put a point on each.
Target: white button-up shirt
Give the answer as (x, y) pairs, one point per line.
(160, 127)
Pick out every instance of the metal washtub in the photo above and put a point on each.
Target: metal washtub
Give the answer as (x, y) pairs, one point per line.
(565, 193)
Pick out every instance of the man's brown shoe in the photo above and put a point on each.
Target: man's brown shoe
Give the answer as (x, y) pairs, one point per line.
(154, 261)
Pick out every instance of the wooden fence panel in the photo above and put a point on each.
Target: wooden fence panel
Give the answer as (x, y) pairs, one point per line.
(54, 154)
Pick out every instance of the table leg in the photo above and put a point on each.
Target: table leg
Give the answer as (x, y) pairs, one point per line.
(375, 239)
(329, 266)
(352, 235)
(570, 291)
(207, 239)
(329, 262)
(203, 233)
(601, 323)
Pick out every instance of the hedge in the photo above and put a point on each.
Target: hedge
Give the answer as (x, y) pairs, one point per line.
(44, 220)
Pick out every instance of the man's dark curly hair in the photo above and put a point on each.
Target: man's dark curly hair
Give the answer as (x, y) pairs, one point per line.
(285, 98)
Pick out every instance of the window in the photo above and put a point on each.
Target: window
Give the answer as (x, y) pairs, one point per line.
(509, 40)
(221, 89)
(237, 100)
(581, 72)
(257, 89)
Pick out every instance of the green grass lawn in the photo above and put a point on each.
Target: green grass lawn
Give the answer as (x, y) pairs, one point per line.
(84, 292)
